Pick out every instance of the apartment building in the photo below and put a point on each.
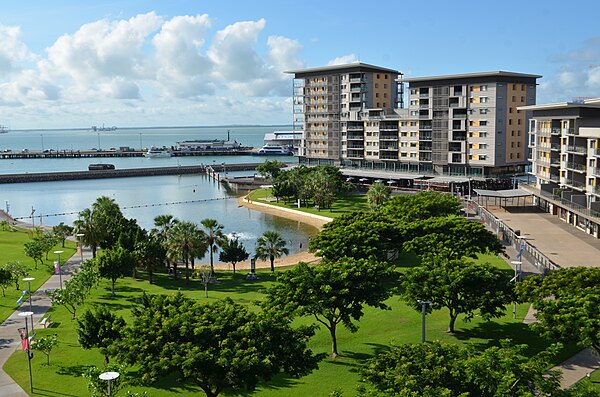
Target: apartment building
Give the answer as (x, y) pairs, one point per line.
(326, 97)
(466, 124)
(565, 155)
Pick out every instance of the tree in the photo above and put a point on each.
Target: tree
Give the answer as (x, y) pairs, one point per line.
(45, 344)
(377, 195)
(84, 224)
(108, 220)
(99, 329)
(233, 251)
(271, 245)
(219, 346)
(47, 241)
(450, 237)
(321, 188)
(185, 243)
(62, 231)
(420, 206)
(77, 289)
(270, 169)
(5, 279)
(114, 264)
(567, 303)
(439, 369)
(461, 286)
(98, 387)
(17, 270)
(34, 249)
(356, 235)
(213, 238)
(333, 293)
(150, 254)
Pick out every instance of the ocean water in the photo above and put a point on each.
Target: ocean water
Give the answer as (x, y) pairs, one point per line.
(187, 197)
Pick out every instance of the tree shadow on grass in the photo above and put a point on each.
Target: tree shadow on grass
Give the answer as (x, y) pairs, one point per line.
(72, 370)
(44, 392)
(356, 360)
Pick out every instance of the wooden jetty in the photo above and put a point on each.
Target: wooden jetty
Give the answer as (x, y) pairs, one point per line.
(65, 153)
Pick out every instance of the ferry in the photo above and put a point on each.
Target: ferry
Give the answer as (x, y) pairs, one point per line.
(154, 152)
(274, 150)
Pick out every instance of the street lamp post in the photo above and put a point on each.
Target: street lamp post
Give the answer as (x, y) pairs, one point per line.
(424, 305)
(80, 240)
(517, 265)
(108, 376)
(29, 280)
(59, 269)
(28, 350)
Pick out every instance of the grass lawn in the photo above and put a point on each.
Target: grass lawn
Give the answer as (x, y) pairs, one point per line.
(341, 206)
(11, 248)
(378, 328)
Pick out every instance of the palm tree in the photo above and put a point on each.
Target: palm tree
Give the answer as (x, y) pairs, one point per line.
(85, 225)
(214, 238)
(164, 223)
(271, 245)
(182, 244)
(377, 195)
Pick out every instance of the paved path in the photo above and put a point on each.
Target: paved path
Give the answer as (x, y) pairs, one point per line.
(9, 336)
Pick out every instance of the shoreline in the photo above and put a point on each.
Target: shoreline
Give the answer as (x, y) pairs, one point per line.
(289, 260)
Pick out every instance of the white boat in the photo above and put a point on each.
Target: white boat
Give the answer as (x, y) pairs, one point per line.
(274, 150)
(155, 152)
(3, 129)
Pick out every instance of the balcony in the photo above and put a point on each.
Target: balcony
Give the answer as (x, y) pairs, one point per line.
(388, 157)
(574, 149)
(428, 126)
(554, 178)
(597, 152)
(576, 167)
(388, 137)
(555, 131)
(596, 171)
(388, 128)
(425, 137)
(570, 131)
(355, 146)
(388, 147)
(574, 184)
(424, 95)
(355, 128)
(355, 137)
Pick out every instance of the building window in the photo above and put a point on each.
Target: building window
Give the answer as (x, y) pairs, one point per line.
(376, 85)
(483, 134)
(404, 133)
(413, 113)
(376, 94)
(513, 98)
(483, 88)
(377, 75)
(403, 154)
(403, 123)
(482, 157)
(483, 123)
(483, 111)
(413, 133)
(510, 110)
(413, 123)
(483, 99)
(414, 102)
(483, 146)
(413, 91)
(385, 84)
(518, 155)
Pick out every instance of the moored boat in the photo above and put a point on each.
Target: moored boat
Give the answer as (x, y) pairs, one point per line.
(154, 152)
(274, 150)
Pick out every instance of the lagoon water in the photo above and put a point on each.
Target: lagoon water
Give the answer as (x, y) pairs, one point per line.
(187, 197)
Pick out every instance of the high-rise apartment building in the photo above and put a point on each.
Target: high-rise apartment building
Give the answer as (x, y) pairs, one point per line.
(465, 124)
(565, 155)
(327, 96)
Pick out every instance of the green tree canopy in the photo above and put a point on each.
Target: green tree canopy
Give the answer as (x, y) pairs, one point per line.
(99, 329)
(461, 286)
(567, 303)
(421, 206)
(77, 289)
(114, 264)
(219, 346)
(45, 344)
(213, 238)
(437, 369)
(34, 249)
(17, 270)
(377, 195)
(357, 235)
(270, 168)
(333, 293)
(150, 254)
(62, 231)
(450, 237)
(233, 251)
(270, 246)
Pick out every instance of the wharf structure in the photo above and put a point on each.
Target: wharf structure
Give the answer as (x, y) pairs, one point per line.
(464, 125)
(565, 155)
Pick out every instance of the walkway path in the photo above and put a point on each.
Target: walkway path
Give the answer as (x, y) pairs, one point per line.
(9, 336)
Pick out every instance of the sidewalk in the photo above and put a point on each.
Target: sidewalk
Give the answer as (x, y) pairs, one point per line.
(9, 336)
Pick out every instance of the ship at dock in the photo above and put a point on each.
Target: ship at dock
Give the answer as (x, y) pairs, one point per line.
(3, 129)
(211, 145)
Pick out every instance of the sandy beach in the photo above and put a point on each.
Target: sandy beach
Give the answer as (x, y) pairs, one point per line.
(289, 260)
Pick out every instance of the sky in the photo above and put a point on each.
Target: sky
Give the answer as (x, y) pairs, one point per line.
(142, 63)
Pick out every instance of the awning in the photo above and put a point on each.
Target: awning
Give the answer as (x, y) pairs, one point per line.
(510, 193)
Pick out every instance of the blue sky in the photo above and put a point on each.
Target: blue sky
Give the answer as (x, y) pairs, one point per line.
(70, 63)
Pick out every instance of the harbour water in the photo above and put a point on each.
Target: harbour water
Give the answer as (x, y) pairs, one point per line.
(187, 197)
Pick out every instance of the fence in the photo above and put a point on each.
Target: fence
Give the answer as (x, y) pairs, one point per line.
(510, 237)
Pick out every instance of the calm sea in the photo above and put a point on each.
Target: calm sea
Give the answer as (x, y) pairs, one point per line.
(188, 197)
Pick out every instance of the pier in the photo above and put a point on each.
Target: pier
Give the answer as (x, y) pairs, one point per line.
(66, 153)
(124, 173)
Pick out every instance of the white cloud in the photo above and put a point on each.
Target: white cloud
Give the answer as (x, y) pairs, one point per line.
(146, 67)
(12, 51)
(343, 60)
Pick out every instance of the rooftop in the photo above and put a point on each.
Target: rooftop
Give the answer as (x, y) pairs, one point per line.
(590, 103)
(499, 73)
(348, 66)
